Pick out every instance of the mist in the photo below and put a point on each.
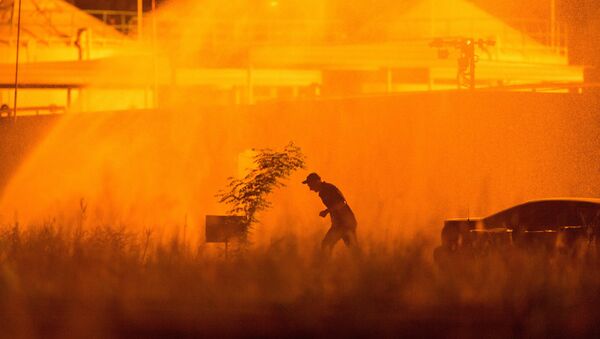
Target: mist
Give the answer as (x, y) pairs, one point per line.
(403, 163)
(102, 222)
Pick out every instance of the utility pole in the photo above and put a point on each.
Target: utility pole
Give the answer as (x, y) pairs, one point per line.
(17, 58)
(154, 54)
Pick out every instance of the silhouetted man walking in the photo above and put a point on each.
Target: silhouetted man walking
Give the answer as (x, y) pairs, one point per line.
(343, 222)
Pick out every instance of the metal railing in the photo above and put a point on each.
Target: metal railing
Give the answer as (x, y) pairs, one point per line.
(49, 27)
(6, 112)
(123, 21)
(572, 87)
(512, 33)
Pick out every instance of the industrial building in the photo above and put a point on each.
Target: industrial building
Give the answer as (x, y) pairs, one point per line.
(72, 60)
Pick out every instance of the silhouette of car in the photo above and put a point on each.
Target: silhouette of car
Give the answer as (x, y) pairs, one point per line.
(546, 224)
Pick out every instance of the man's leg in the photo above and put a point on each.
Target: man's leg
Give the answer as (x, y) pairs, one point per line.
(331, 238)
(351, 241)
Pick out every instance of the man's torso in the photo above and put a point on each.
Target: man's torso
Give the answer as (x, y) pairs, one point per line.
(341, 214)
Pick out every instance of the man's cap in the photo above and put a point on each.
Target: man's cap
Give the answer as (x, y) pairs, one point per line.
(312, 177)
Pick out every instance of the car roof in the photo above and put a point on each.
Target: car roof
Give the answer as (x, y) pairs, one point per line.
(547, 213)
(582, 201)
(567, 199)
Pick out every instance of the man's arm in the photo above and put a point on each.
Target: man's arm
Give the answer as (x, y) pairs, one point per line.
(336, 207)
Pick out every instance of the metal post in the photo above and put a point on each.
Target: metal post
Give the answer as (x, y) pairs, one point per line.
(154, 54)
(17, 61)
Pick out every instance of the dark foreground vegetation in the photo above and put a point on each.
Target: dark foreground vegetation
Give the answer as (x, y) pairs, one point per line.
(106, 282)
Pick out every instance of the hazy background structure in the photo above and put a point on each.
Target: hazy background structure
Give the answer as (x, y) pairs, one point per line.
(74, 58)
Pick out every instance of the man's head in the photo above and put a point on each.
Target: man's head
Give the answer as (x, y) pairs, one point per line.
(313, 181)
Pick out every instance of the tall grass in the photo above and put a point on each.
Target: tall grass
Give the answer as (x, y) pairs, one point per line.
(64, 281)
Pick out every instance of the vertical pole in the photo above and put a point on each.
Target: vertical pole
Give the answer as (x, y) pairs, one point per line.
(17, 61)
(139, 18)
(154, 54)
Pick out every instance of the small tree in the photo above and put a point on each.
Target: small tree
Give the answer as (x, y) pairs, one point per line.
(248, 196)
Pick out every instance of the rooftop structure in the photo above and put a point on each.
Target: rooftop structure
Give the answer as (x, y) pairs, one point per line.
(54, 30)
(226, 59)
